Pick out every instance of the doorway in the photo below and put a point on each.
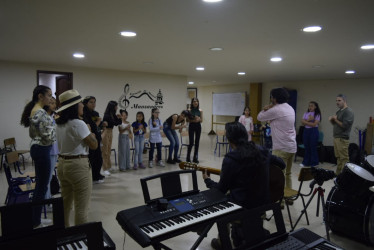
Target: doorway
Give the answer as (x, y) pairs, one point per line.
(58, 82)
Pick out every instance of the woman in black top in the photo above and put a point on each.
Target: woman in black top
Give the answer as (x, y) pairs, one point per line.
(91, 117)
(194, 130)
(169, 127)
(113, 120)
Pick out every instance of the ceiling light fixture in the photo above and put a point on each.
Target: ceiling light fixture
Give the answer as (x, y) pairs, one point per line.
(78, 55)
(128, 33)
(276, 59)
(350, 71)
(216, 49)
(241, 73)
(200, 68)
(212, 1)
(190, 83)
(312, 29)
(367, 46)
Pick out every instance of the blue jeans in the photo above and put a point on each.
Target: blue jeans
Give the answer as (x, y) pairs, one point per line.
(310, 140)
(42, 160)
(139, 146)
(174, 141)
(158, 145)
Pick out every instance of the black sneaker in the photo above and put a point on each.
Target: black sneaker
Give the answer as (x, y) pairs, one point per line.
(195, 160)
(188, 160)
(177, 161)
(216, 244)
(170, 161)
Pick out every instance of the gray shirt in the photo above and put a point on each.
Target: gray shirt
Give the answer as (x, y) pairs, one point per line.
(346, 116)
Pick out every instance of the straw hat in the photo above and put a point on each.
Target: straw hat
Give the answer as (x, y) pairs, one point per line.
(68, 99)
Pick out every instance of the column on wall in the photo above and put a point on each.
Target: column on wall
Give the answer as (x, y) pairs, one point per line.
(255, 99)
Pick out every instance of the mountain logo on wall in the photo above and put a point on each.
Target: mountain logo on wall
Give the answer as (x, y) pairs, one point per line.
(138, 99)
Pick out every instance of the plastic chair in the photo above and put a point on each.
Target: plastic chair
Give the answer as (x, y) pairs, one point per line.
(15, 185)
(10, 143)
(221, 141)
(291, 195)
(183, 134)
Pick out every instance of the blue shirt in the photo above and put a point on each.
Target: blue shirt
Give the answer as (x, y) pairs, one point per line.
(136, 125)
(155, 131)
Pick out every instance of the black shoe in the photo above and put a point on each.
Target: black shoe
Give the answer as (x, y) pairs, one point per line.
(177, 161)
(188, 159)
(170, 161)
(216, 244)
(195, 160)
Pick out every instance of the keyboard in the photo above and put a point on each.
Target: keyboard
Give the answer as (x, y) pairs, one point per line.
(146, 224)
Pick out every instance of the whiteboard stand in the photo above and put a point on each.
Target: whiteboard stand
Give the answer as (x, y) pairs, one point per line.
(212, 131)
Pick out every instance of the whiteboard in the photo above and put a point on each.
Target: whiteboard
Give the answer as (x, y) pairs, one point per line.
(229, 104)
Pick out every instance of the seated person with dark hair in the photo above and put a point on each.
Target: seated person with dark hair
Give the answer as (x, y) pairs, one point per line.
(245, 173)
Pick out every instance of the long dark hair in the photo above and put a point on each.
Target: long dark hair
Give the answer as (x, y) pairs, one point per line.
(198, 103)
(246, 107)
(142, 121)
(152, 117)
(188, 114)
(111, 109)
(248, 151)
(317, 111)
(25, 118)
(70, 113)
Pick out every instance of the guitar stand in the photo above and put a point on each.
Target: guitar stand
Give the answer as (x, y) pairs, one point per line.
(321, 195)
(160, 246)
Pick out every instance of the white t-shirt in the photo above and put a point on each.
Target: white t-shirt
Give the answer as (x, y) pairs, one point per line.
(70, 137)
(123, 126)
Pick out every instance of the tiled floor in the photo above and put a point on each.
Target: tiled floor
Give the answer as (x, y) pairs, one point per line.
(122, 190)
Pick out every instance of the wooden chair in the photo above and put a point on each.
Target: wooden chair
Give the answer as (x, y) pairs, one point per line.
(10, 143)
(183, 144)
(291, 195)
(221, 140)
(17, 189)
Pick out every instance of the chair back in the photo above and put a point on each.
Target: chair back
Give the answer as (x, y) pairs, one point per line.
(276, 183)
(221, 133)
(320, 137)
(305, 174)
(184, 133)
(10, 143)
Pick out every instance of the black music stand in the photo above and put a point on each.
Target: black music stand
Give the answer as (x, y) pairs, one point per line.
(320, 200)
(171, 188)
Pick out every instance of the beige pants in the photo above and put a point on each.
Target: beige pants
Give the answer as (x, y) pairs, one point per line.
(107, 138)
(76, 187)
(341, 153)
(287, 158)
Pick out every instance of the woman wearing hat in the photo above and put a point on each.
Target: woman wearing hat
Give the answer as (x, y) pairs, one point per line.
(74, 140)
(43, 133)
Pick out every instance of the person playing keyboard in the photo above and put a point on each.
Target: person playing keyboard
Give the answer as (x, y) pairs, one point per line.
(244, 174)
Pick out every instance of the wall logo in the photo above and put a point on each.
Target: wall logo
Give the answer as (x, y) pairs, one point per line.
(127, 97)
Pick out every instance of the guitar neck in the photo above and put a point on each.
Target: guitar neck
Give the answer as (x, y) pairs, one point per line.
(188, 165)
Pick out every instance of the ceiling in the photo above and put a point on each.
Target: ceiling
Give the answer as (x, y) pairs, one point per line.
(174, 37)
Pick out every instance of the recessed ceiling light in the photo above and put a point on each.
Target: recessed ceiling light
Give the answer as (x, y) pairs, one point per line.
(216, 49)
(276, 59)
(78, 55)
(241, 73)
(367, 46)
(350, 71)
(312, 29)
(212, 1)
(128, 33)
(200, 68)
(190, 83)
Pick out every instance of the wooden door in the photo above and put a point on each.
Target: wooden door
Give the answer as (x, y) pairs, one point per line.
(63, 83)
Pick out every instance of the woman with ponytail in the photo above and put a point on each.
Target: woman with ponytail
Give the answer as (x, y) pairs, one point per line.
(43, 133)
(244, 174)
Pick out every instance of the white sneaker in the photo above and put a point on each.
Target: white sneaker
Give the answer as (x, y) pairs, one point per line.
(98, 181)
(106, 173)
(160, 163)
(301, 165)
(45, 221)
(150, 164)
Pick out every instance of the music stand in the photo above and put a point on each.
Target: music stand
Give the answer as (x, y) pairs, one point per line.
(320, 200)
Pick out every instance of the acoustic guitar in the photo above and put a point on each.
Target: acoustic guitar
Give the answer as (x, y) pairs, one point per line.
(276, 178)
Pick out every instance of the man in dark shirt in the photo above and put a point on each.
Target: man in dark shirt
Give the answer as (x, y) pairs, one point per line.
(342, 123)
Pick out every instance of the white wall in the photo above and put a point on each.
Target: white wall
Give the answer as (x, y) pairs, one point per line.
(18, 80)
(359, 94)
